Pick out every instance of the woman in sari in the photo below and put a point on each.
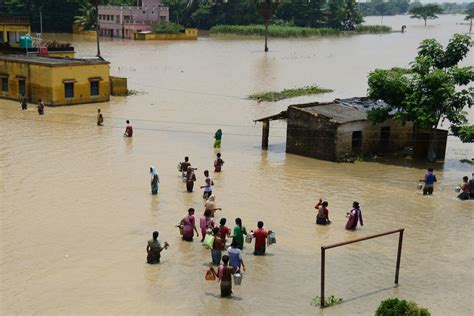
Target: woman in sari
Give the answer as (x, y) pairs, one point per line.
(323, 213)
(238, 233)
(190, 179)
(205, 223)
(155, 180)
(189, 226)
(154, 249)
(218, 137)
(354, 216)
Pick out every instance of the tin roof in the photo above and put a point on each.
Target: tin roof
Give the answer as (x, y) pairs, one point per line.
(343, 110)
(52, 61)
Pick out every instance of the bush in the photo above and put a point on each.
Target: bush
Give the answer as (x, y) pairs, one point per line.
(168, 28)
(396, 307)
(285, 31)
(465, 133)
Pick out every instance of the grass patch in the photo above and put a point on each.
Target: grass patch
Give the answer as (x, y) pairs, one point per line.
(273, 96)
(328, 301)
(284, 31)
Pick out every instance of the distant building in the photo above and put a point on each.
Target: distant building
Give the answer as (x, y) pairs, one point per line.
(124, 21)
(340, 129)
(57, 81)
(12, 28)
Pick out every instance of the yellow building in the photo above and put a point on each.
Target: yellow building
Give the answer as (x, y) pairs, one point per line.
(189, 34)
(11, 28)
(57, 81)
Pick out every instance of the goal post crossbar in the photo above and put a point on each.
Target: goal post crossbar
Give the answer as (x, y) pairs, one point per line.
(324, 248)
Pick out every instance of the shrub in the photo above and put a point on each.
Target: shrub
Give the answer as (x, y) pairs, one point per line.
(168, 28)
(396, 307)
(285, 31)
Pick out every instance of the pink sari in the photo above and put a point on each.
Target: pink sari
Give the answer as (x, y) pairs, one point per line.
(188, 227)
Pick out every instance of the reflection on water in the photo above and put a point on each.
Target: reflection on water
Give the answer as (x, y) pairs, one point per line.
(77, 211)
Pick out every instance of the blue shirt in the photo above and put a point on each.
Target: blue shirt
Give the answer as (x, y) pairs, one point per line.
(430, 178)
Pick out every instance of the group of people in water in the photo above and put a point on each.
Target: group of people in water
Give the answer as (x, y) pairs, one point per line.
(217, 237)
(40, 106)
(466, 188)
(354, 216)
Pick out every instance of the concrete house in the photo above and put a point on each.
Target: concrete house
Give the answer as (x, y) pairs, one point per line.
(124, 21)
(57, 81)
(340, 129)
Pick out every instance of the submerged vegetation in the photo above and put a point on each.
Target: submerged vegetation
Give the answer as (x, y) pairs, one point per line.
(328, 301)
(394, 306)
(273, 96)
(285, 31)
(168, 28)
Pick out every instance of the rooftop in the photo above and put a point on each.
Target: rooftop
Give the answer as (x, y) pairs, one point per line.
(343, 110)
(53, 61)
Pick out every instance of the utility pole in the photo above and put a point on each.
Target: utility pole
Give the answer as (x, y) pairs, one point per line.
(41, 22)
(96, 5)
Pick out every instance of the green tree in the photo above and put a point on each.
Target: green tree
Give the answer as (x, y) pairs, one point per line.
(426, 12)
(469, 17)
(434, 89)
(352, 15)
(86, 18)
(266, 9)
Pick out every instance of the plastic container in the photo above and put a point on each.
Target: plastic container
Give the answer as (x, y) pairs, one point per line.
(237, 278)
(420, 186)
(457, 189)
(26, 42)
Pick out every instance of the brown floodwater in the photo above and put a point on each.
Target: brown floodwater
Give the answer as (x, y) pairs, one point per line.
(77, 210)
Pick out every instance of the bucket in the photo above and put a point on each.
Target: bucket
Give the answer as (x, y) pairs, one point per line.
(237, 278)
(420, 186)
(457, 189)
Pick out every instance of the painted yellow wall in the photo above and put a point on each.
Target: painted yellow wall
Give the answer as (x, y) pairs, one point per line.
(118, 86)
(46, 82)
(22, 29)
(189, 34)
(81, 74)
(62, 54)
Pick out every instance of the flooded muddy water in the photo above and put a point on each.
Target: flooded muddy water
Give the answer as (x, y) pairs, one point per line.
(77, 210)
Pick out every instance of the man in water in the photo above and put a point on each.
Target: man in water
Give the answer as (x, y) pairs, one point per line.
(218, 163)
(465, 189)
(430, 179)
(24, 104)
(128, 130)
(260, 236)
(184, 166)
(208, 185)
(100, 118)
(40, 107)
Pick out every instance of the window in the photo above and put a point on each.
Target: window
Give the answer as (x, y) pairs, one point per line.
(356, 142)
(94, 88)
(69, 90)
(5, 84)
(112, 17)
(21, 87)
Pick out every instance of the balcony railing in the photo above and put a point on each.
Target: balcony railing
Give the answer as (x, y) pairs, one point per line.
(15, 20)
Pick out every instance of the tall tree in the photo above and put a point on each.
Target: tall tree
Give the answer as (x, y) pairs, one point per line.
(266, 9)
(469, 17)
(86, 19)
(426, 12)
(434, 89)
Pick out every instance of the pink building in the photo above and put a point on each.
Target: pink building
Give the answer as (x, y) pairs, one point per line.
(123, 21)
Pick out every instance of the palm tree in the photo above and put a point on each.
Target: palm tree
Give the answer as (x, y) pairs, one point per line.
(266, 9)
(469, 16)
(86, 20)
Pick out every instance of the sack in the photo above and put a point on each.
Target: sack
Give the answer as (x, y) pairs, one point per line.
(210, 276)
(271, 239)
(208, 241)
(248, 238)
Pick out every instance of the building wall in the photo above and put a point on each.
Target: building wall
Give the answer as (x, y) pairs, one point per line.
(47, 83)
(118, 86)
(189, 34)
(123, 21)
(81, 75)
(400, 136)
(311, 136)
(15, 31)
